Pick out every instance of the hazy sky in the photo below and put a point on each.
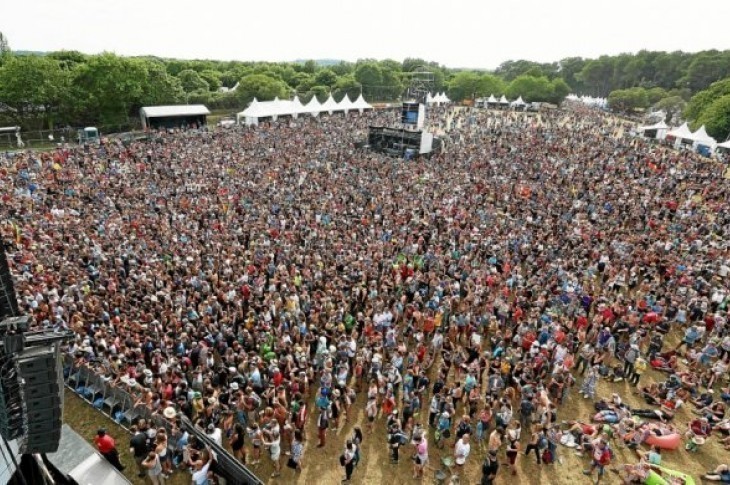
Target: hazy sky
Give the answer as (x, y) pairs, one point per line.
(457, 33)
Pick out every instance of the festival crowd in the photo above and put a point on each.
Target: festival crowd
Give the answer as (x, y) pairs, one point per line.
(273, 283)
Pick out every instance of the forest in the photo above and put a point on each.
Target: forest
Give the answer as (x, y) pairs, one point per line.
(69, 88)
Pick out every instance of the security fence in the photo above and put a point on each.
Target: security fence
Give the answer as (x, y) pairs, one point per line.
(118, 404)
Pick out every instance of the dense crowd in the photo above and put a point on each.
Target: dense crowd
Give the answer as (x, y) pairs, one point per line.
(257, 279)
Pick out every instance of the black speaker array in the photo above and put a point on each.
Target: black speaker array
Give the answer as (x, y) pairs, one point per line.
(41, 387)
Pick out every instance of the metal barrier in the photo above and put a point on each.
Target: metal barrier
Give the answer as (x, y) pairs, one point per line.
(118, 405)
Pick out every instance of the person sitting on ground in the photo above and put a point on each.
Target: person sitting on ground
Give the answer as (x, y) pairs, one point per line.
(721, 473)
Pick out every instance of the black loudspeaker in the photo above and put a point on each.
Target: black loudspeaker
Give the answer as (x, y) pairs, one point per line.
(41, 386)
(8, 300)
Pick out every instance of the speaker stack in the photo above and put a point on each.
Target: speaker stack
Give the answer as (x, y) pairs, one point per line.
(40, 385)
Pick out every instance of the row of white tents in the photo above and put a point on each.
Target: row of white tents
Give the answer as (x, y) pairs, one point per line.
(588, 100)
(492, 101)
(293, 107)
(682, 135)
(438, 99)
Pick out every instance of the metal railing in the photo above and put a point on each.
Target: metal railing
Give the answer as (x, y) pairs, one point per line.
(119, 405)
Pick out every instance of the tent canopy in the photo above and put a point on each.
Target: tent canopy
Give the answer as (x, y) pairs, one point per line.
(284, 107)
(656, 126)
(681, 132)
(702, 138)
(503, 100)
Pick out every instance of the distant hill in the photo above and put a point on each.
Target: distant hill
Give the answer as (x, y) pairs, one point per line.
(29, 53)
(321, 62)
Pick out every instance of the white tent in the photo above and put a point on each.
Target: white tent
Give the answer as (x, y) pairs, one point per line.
(444, 98)
(517, 102)
(284, 107)
(701, 137)
(297, 107)
(313, 107)
(360, 104)
(681, 133)
(492, 99)
(503, 100)
(330, 105)
(430, 99)
(660, 128)
(724, 146)
(345, 104)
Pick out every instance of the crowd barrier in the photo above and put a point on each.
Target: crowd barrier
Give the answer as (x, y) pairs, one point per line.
(117, 404)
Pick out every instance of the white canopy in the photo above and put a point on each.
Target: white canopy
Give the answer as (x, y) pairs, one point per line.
(702, 138)
(360, 104)
(284, 107)
(330, 105)
(656, 126)
(503, 100)
(430, 99)
(345, 104)
(492, 99)
(313, 106)
(681, 133)
(518, 102)
(725, 144)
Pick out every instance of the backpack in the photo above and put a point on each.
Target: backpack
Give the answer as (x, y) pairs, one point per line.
(605, 458)
(547, 456)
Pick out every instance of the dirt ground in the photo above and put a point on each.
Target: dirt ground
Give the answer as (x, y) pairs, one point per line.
(321, 464)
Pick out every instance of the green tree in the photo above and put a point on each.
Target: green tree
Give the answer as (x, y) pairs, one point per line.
(325, 77)
(672, 105)
(716, 118)
(160, 87)
(322, 92)
(531, 88)
(464, 85)
(706, 68)
(347, 85)
(108, 88)
(261, 87)
(559, 90)
(68, 59)
(192, 81)
(703, 99)
(213, 78)
(370, 76)
(570, 67)
(655, 95)
(596, 76)
(309, 67)
(34, 87)
(628, 100)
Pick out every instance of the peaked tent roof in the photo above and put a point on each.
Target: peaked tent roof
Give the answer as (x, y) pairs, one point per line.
(360, 103)
(681, 132)
(346, 103)
(313, 106)
(330, 104)
(702, 137)
(503, 100)
(491, 99)
(518, 102)
(725, 144)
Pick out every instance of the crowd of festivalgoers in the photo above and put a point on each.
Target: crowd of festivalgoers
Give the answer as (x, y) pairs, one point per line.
(275, 283)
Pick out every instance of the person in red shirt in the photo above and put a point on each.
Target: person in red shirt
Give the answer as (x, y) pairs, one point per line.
(106, 446)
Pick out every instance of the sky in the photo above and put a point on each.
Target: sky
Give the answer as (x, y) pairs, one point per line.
(457, 33)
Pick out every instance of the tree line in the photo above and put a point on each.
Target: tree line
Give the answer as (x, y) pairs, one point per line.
(70, 88)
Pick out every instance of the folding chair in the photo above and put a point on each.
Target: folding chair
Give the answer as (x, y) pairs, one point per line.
(112, 398)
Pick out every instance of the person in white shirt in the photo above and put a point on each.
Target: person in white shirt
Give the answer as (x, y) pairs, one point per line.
(200, 475)
(461, 451)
